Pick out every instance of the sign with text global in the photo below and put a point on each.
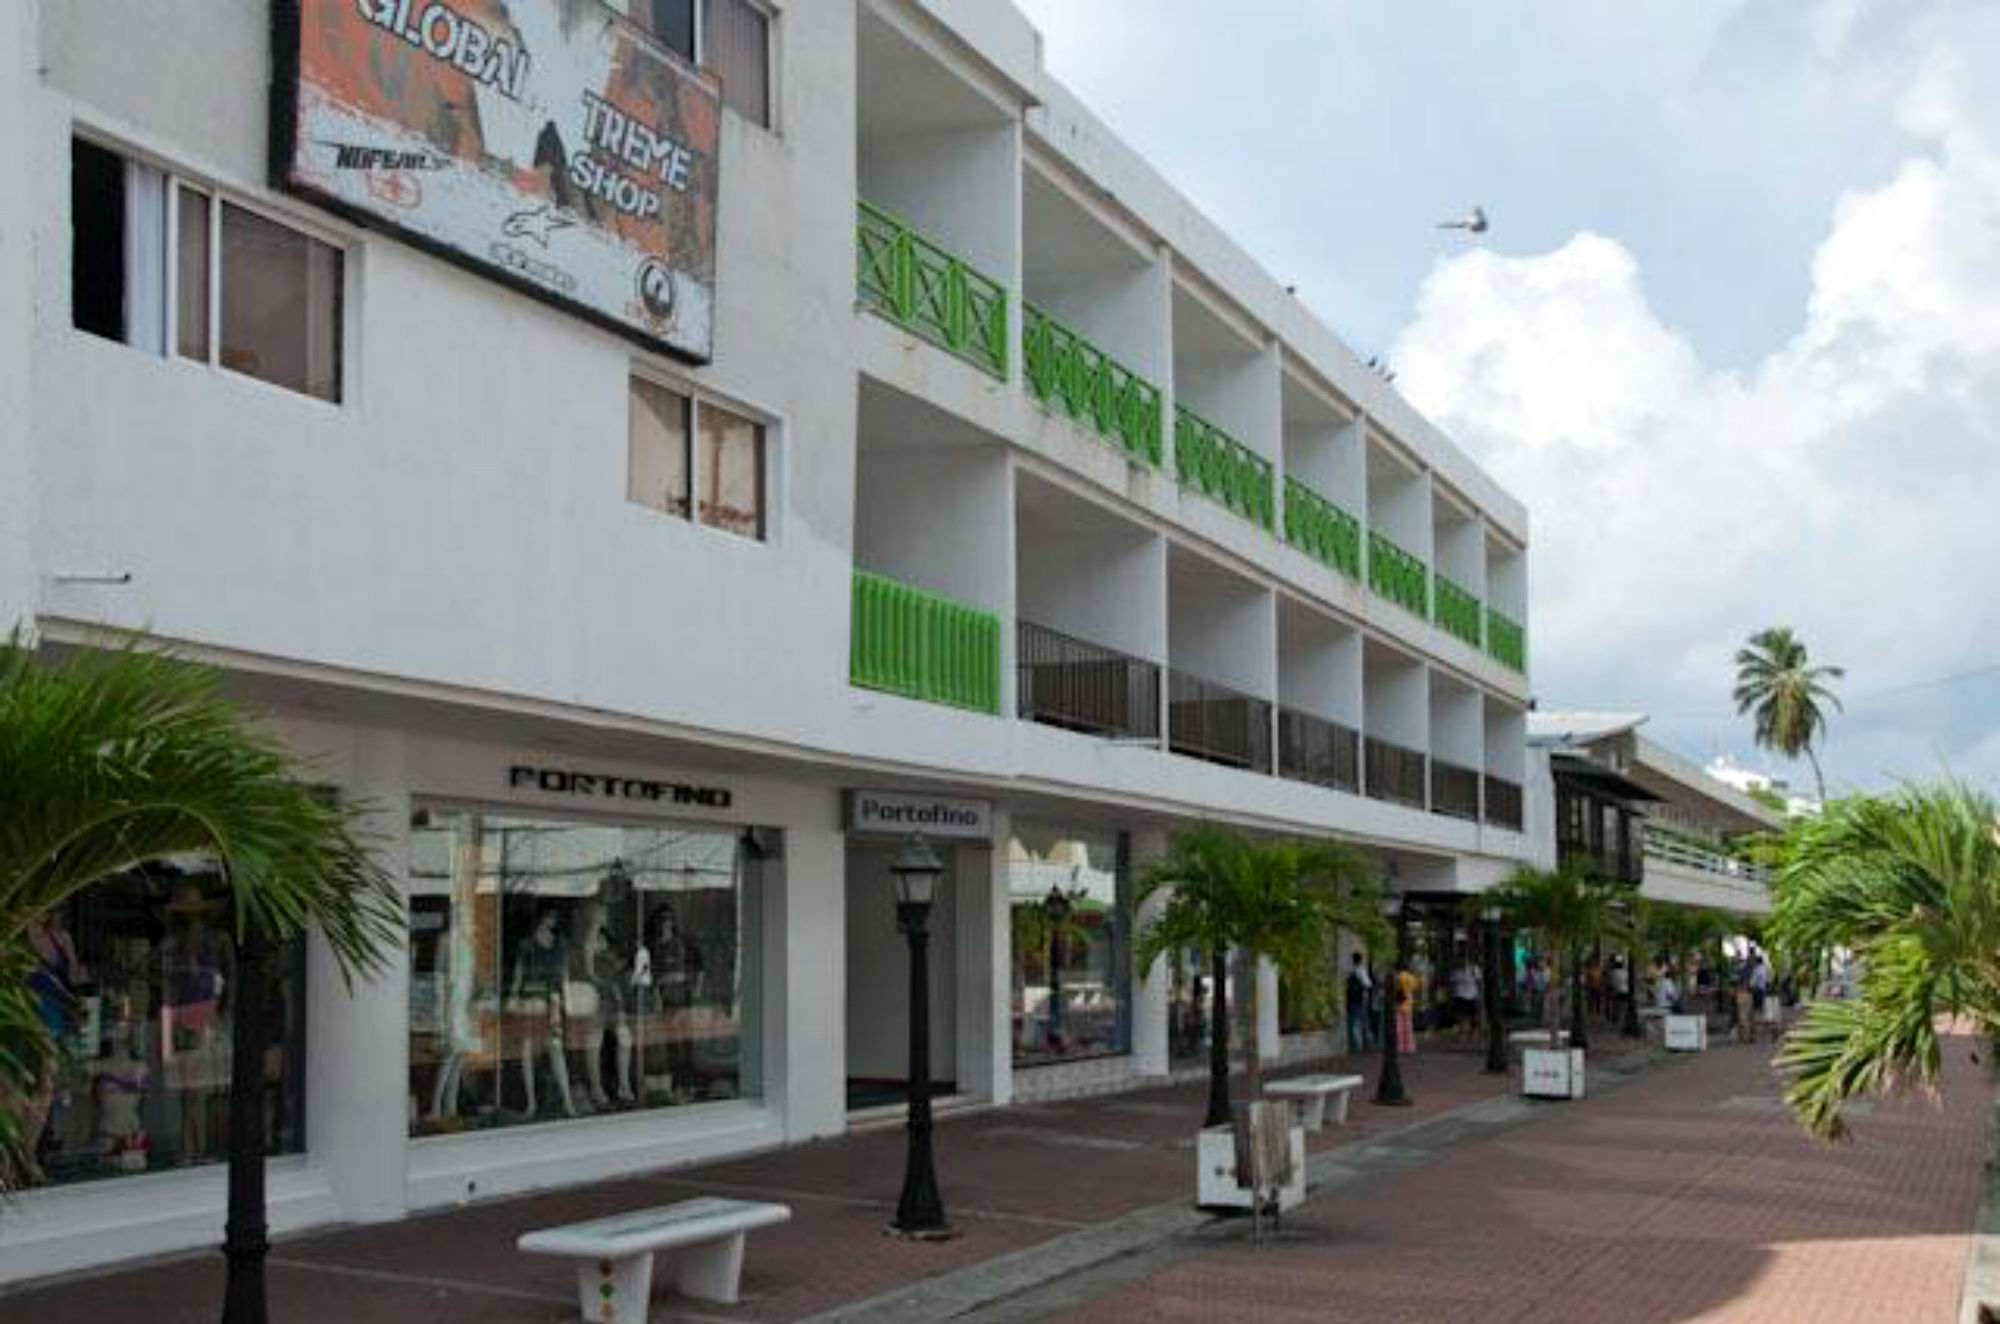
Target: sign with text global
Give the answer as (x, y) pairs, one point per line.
(550, 142)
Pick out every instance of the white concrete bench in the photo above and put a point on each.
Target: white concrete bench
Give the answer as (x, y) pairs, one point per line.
(614, 1280)
(1537, 1039)
(1310, 1093)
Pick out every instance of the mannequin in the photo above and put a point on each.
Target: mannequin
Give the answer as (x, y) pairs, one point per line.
(674, 966)
(193, 1047)
(595, 969)
(52, 981)
(119, 1082)
(534, 996)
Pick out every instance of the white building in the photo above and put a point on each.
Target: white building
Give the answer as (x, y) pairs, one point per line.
(1012, 500)
(1600, 789)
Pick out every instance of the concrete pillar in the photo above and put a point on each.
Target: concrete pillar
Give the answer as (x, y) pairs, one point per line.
(358, 1055)
(806, 946)
(1152, 989)
(1268, 1037)
(20, 159)
(985, 968)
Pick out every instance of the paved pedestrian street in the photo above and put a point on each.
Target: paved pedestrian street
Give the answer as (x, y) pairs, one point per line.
(1679, 1192)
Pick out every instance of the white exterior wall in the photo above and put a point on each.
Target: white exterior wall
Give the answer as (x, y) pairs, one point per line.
(447, 556)
(1458, 725)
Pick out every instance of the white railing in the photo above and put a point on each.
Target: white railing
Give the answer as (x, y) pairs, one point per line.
(1688, 855)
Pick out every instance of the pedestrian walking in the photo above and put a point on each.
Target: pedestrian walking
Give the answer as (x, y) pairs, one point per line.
(1407, 985)
(1465, 981)
(1361, 1034)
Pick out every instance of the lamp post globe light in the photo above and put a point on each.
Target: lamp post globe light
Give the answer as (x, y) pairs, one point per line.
(920, 1209)
(1496, 1033)
(1389, 1090)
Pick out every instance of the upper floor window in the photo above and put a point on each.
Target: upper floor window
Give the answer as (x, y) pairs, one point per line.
(730, 38)
(690, 457)
(165, 266)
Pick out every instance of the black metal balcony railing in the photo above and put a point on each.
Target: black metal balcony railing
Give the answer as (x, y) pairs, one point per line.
(1214, 722)
(1392, 773)
(1312, 749)
(1503, 803)
(1454, 790)
(1082, 687)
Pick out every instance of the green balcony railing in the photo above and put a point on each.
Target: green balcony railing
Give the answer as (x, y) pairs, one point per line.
(1222, 468)
(1398, 576)
(1067, 373)
(922, 646)
(1507, 640)
(926, 290)
(1455, 610)
(1321, 529)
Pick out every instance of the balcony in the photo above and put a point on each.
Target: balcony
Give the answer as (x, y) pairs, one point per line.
(922, 646)
(1393, 773)
(1322, 530)
(1079, 686)
(1686, 853)
(1456, 611)
(1069, 375)
(1454, 791)
(1397, 576)
(1223, 469)
(1312, 749)
(1213, 722)
(929, 292)
(1503, 803)
(1507, 641)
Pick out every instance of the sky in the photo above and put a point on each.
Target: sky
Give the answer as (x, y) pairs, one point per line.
(1734, 335)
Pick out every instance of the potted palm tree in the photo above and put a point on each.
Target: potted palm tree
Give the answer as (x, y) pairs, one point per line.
(111, 760)
(1570, 908)
(1223, 894)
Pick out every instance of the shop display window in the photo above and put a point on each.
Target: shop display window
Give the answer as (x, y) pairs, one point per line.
(564, 967)
(136, 978)
(1071, 909)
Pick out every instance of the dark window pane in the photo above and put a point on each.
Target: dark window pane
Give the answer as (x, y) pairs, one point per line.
(732, 472)
(280, 305)
(97, 224)
(1070, 910)
(672, 21)
(657, 458)
(736, 40)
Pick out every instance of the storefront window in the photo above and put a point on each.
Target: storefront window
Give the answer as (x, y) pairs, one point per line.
(136, 978)
(1072, 975)
(561, 967)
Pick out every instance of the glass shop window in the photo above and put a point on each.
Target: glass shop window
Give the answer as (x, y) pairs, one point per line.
(565, 968)
(159, 264)
(136, 978)
(1071, 909)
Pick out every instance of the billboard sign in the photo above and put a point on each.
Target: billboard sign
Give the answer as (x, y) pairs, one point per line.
(551, 143)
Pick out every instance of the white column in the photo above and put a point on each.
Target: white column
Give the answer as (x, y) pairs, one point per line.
(1268, 1038)
(21, 162)
(806, 946)
(357, 1040)
(1152, 990)
(985, 969)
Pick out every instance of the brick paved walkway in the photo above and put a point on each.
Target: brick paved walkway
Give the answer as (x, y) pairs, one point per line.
(1687, 1197)
(1684, 1196)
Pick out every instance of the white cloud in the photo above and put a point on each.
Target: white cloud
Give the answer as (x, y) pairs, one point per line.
(1848, 484)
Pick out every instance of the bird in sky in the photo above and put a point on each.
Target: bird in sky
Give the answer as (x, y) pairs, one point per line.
(1472, 224)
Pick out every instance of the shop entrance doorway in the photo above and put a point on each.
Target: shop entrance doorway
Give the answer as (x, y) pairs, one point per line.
(878, 980)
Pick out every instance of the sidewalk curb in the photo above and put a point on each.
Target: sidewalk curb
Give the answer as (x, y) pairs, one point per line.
(1982, 1261)
(994, 1282)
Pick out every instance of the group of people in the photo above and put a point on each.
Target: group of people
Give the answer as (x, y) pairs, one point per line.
(1365, 991)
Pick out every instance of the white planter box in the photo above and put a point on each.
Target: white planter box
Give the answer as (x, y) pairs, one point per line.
(1215, 1171)
(1687, 1034)
(1552, 1073)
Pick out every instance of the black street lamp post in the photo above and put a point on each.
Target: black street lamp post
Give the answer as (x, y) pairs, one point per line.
(920, 1209)
(1389, 1090)
(1496, 1031)
(246, 1234)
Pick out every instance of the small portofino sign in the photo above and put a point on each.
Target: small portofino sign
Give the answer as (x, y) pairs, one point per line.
(933, 816)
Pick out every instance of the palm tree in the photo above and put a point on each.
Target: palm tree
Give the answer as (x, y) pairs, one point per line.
(1280, 900)
(111, 759)
(1909, 885)
(1784, 693)
(1570, 908)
